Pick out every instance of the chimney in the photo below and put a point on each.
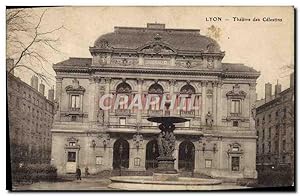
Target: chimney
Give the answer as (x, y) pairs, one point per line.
(9, 65)
(292, 80)
(277, 89)
(42, 89)
(51, 95)
(34, 82)
(268, 92)
(155, 26)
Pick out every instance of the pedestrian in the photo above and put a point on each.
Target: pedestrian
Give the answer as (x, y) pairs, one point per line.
(78, 173)
(86, 171)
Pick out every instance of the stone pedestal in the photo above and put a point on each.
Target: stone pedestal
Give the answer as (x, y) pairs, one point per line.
(166, 165)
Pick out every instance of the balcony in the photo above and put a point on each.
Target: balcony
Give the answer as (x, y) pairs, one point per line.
(190, 113)
(75, 109)
(235, 114)
(155, 112)
(122, 112)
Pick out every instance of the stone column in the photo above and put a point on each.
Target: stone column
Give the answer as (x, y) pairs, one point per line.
(219, 104)
(175, 154)
(214, 101)
(107, 89)
(197, 158)
(96, 99)
(58, 97)
(91, 99)
(140, 91)
(252, 100)
(203, 104)
(171, 89)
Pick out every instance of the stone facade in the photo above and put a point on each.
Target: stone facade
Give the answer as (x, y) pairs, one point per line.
(275, 127)
(30, 117)
(219, 140)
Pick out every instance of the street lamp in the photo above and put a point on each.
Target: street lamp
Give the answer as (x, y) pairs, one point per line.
(120, 152)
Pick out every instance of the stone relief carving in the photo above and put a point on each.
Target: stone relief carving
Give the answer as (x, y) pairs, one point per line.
(209, 119)
(75, 87)
(166, 143)
(189, 63)
(138, 140)
(236, 92)
(124, 61)
(210, 62)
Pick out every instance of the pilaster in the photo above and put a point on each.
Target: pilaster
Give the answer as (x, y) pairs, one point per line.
(203, 102)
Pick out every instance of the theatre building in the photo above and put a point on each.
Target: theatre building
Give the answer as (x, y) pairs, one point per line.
(219, 139)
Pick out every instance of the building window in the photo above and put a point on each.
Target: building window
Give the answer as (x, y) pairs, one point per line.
(236, 106)
(75, 102)
(71, 156)
(263, 134)
(270, 117)
(270, 132)
(283, 159)
(208, 163)
(235, 149)
(73, 118)
(156, 91)
(263, 148)
(122, 121)
(269, 146)
(283, 145)
(124, 92)
(235, 163)
(257, 122)
(235, 123)
(137, 162)
(99, 160)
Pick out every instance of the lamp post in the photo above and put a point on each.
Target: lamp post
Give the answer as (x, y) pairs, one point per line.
(120, 152)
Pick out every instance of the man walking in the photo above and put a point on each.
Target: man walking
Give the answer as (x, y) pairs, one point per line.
(78, 173)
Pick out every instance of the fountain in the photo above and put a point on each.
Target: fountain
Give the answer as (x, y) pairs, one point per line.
(165, 177)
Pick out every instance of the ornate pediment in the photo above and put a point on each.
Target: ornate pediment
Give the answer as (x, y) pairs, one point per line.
(236, 92)
(157, 47)
(75, 87)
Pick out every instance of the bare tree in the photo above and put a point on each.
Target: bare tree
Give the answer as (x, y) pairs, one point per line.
(27, 44)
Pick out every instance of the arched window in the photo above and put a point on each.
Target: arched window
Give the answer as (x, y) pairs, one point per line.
(156, 91)
(188, 90)
(123, 90)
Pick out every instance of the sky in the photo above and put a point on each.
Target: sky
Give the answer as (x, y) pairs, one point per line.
(265, 46)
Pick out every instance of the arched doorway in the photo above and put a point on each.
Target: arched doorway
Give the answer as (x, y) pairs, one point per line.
(121, 154)
(186, 156)
(151, 154)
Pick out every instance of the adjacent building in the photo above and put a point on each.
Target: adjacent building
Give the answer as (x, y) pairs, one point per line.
(220, 138)
(275, 126)
(30, 118)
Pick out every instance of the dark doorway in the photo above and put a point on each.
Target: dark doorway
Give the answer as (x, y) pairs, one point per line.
(186, 156)
(151, 154)
(121, 154)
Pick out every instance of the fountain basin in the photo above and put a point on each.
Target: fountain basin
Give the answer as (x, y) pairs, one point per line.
(151, 183)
